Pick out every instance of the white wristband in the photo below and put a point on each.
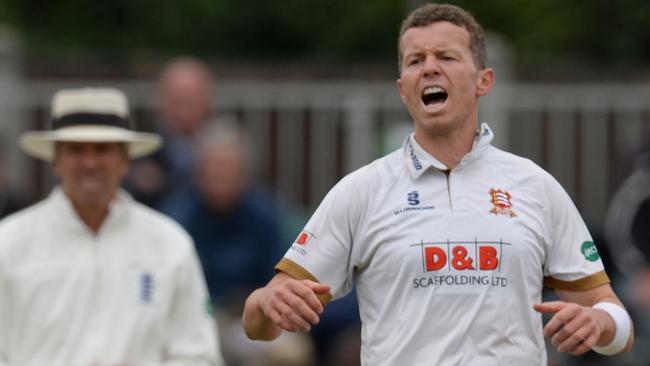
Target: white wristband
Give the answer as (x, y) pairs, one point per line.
(623, 328)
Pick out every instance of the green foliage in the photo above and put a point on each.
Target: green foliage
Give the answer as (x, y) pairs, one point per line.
(604, 30)
(249, 28)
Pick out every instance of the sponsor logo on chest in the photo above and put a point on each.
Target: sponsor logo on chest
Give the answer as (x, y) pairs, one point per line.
(461, 263)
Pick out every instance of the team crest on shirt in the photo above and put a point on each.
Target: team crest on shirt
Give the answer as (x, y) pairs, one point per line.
(502, 202)
(146, 287)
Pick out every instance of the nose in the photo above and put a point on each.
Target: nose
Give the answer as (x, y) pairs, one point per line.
(431, 66)
(89, 158)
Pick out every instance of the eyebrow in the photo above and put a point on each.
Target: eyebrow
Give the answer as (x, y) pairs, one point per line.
(419, 51)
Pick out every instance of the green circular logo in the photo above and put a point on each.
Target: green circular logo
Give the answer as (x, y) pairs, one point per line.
(589, 250)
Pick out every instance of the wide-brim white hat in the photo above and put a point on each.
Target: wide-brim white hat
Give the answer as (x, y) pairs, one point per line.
(89, 115)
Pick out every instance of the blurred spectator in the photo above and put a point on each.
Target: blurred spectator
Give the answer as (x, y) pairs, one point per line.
(184, 92)
(626, 222)
(236, 227)
(627, 228)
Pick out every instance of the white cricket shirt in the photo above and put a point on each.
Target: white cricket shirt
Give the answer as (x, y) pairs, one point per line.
(132, 293)
(448, 265)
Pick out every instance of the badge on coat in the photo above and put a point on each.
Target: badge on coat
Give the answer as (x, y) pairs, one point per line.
(146, 287)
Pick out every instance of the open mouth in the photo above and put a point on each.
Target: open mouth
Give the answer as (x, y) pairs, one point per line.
(434, 95)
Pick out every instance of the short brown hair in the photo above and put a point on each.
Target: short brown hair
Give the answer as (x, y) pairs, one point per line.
(433, 13)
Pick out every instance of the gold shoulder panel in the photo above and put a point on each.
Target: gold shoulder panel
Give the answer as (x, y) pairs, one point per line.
(294, 270)
(583, 284)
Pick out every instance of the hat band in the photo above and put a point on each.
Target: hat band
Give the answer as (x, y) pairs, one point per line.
(76, 119)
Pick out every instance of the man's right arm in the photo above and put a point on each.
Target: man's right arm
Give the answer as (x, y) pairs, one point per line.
(283, 304)
(4, 318)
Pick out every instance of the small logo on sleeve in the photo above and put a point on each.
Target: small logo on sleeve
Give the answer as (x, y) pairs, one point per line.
(301, 242)
(502, 203)
(590, 251)
(304, 237)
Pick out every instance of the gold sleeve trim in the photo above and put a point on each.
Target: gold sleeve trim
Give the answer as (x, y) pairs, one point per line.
(294, 270)
(583, 284)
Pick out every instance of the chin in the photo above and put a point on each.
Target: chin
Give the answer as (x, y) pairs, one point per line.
(436, 127)
(92, 196)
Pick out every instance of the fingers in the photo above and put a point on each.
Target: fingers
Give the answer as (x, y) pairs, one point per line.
(549, 307)
(293, 305)
(574, 342)
(314, 288)
(302, 300)
(288, 319)
(585, 345)
(557, 322)
(317, 287)
(572, 328)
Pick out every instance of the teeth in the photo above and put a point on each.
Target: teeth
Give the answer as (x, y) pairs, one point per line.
(432, 90)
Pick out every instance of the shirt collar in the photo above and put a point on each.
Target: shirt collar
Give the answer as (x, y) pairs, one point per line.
(484, 136)
(418, 160)
(117, 211)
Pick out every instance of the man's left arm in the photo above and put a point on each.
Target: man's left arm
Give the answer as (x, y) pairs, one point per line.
(582, 320)
(192, 338)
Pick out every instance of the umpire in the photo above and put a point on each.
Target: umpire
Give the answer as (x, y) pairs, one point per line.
(88, 276)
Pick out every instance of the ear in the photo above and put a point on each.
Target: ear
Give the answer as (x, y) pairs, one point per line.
(401, 92)
(485, 82)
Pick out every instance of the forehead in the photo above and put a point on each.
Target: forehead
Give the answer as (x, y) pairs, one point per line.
(90, 145)
(436, 35)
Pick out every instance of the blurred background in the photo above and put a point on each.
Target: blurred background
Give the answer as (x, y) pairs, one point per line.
(309, 87)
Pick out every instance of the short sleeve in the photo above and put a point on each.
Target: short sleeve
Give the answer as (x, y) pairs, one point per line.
(322, 250)
(572, 260)
(192, 337)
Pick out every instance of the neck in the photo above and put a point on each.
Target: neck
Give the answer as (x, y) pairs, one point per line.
(92, 214)
(448, 148)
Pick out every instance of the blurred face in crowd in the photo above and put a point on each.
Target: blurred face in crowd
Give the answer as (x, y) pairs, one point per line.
(185, 93)
(223, 175)
(91, 172)
(439, 81)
